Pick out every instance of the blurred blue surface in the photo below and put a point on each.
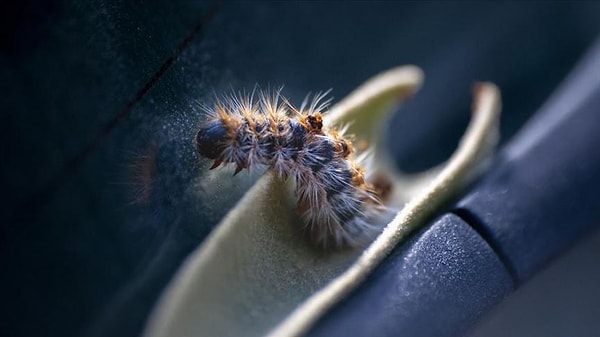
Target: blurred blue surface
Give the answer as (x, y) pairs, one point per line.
(435, 284)
(544, 194)
(561, 300)
(98, 163)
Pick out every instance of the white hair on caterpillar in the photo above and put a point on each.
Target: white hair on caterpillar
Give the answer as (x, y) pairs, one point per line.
(333, 197)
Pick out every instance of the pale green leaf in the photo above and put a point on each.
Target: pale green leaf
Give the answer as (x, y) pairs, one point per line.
(257, 274)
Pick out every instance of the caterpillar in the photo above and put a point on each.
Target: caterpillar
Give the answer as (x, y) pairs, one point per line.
(333, 197)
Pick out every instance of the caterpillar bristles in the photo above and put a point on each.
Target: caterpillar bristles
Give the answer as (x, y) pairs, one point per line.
(333, 196)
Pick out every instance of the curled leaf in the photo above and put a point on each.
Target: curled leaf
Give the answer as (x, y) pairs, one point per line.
(479, 139)
(255, 274)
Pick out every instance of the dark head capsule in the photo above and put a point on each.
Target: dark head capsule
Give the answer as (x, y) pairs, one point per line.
(210, 140)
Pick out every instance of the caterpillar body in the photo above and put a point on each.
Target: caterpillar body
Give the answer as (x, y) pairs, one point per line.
(333, 197)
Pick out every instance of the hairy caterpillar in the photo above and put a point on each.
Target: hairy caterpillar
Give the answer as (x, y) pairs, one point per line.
(333, 198)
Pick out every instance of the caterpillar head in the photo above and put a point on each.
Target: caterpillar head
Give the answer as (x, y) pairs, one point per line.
(210, 140)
